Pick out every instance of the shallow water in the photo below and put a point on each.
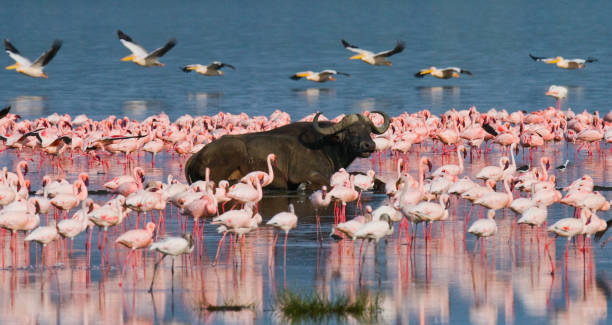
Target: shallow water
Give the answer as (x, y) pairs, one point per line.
(441, 281)
(268, 42)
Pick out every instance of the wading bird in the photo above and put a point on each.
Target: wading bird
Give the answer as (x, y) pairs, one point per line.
(173, 246)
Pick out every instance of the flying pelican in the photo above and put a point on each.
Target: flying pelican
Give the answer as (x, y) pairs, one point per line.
(565, 63)
(323, 76)
(213, 69)
(23, 65)
(446, 73)
(139, 54)
(379, 58)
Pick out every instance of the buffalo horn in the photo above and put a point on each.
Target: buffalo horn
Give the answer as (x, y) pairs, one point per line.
(334, 128)
(380, 129)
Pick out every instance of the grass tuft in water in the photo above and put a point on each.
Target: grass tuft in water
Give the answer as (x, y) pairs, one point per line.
(227, 306)
(301, 307)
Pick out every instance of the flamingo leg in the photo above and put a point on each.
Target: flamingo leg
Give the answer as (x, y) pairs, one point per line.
(155, 272)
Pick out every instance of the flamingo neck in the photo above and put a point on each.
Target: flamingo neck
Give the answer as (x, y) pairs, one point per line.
(270, 169)
(544, 171)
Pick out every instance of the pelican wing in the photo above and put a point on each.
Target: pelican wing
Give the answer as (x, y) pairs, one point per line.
(15, 55)
(397, 49)
(218, 65)
(127, 41)
(4, 112)
(46, 57)
(328, 72)
(539, 58)
(459, 70)
(162, 50)
(591, 60)
(354, 48)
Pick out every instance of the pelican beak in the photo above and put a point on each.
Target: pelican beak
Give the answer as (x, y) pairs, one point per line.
(388, 63)
(12, 67)
(128, 58)
(332, 79)
(555, 60)
(303, 74)
(356, 57)
(455, 75)
(44, 76)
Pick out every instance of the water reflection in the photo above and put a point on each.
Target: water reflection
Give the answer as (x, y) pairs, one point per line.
(205, 100)
(446, 280)
(312, 95)
(31, 105)
(436, 95)
(140, 109)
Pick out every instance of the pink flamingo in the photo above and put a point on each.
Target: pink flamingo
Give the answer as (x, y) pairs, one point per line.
(135, 239)
(567, 227)
(66, 202)
(265, 178)
(245, 193)
(320, 200)
(452, 169)
(344, 194)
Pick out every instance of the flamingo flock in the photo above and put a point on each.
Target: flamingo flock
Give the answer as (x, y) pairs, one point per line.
(425, 199)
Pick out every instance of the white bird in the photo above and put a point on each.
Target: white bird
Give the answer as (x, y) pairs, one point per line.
(375, 229)
(484, 227)
(323, 76)
(569, 64)
(213, 69)
(44, 234)
(445, 73)
(173, 246)
(140, 56)
(379, 58)
(558, 92)
(534, 216)
(24, 66)
(284, 221)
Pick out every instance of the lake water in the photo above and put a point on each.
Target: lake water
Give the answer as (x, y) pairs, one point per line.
(267, 42)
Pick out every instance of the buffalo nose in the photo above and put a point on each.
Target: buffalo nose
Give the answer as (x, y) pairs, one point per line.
(367, 146)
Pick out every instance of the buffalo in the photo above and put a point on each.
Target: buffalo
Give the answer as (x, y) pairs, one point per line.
(307, 153)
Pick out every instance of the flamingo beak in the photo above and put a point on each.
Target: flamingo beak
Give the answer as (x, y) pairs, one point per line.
(429, 165)
(547, 164)
(464, 153)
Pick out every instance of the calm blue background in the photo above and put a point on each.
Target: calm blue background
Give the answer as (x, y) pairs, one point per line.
(268, 41)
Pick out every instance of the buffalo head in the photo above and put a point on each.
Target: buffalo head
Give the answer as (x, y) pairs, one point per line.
(354, 132)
